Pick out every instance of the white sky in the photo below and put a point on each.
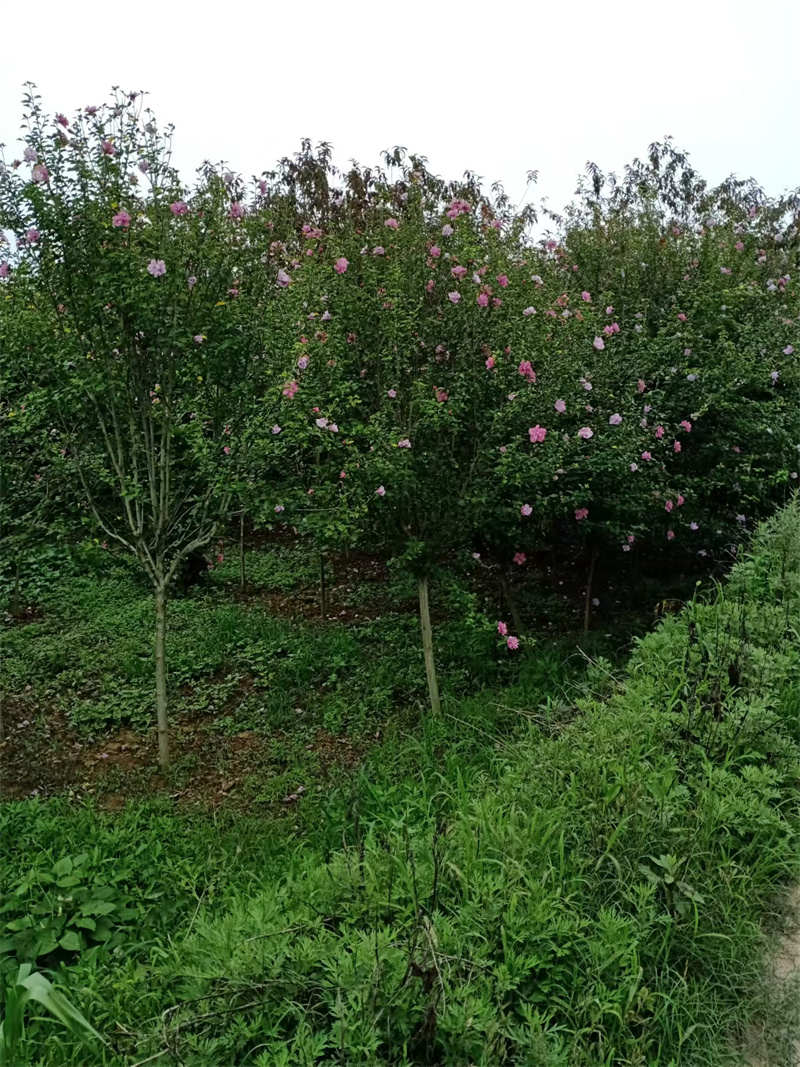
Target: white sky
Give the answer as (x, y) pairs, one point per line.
(499, 87)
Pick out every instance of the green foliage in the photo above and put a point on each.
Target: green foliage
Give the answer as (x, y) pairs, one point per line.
(73, 905)
(31, 987)
(597, 902)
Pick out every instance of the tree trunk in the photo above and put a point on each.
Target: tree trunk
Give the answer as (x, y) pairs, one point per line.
(587, 606)
(242, 577)
(427, 646)
(510, 603)
(323, 588)
(161, 675)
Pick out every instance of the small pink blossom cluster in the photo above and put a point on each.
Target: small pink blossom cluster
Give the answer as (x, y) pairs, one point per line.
(512, 643)
(526, 370)
(290, 389)
(458, 207)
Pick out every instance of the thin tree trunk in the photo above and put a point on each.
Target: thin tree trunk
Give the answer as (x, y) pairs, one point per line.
(161, 675)
(587, 607)
(511, 604)
(323, 587)
(242, 576)
(427, 646)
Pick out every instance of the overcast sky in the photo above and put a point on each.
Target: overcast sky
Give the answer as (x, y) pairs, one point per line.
(499, 87)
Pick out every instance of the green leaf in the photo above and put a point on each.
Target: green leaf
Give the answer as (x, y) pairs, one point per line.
(98, 907)
(71, 941)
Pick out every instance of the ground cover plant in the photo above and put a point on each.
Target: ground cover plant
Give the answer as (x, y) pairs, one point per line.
(348, 496)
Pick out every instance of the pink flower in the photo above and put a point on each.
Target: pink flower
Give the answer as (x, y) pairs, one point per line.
(392, 224)
(502, 628)
(454, 297)
(121, 219)
(526, 510)
(489, 364)
(586, 296)
(447, 230)
(670, 535)
(404, 443)
(283, 278)
(430, 285)
(560, 406)
(788, 350)
(380, 491)
(108, 148)
(237, 210)
(5, 269)
(585, 432)
(609, 310)
(198, 338)
(435, 251)
(659, 431)
(441, 395)
(680, 500)
(694, 526)
(686, 425)
(290, 389)
(279, 507)
(227, 450)
(502, 280)
(526, 370)
(341, 265)
(725, 270)
(40, 173)
(276, 429)
(321, 422)
(32, 236)
(581, 513)
(458, 272)
(668, 506)
(676, 446)
(179, 207)
(191, 281)
(599, 343)
(647, 456)
(615, 419)
(527, 312)
(512, 643)
(157, 267)
(634, 466)
(681, 317)
(519, 558)
(392, 393)
(342, 474)
(483, 300)
(536, 434)
(302, 362)
(739, 246)
(379, 250)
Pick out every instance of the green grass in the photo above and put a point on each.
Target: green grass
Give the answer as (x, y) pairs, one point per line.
(572, 866)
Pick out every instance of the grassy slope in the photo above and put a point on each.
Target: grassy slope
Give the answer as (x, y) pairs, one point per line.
(499, 887)
(599, 900)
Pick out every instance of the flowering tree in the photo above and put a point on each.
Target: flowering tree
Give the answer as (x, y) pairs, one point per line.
(155, 318)
(411, 299)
